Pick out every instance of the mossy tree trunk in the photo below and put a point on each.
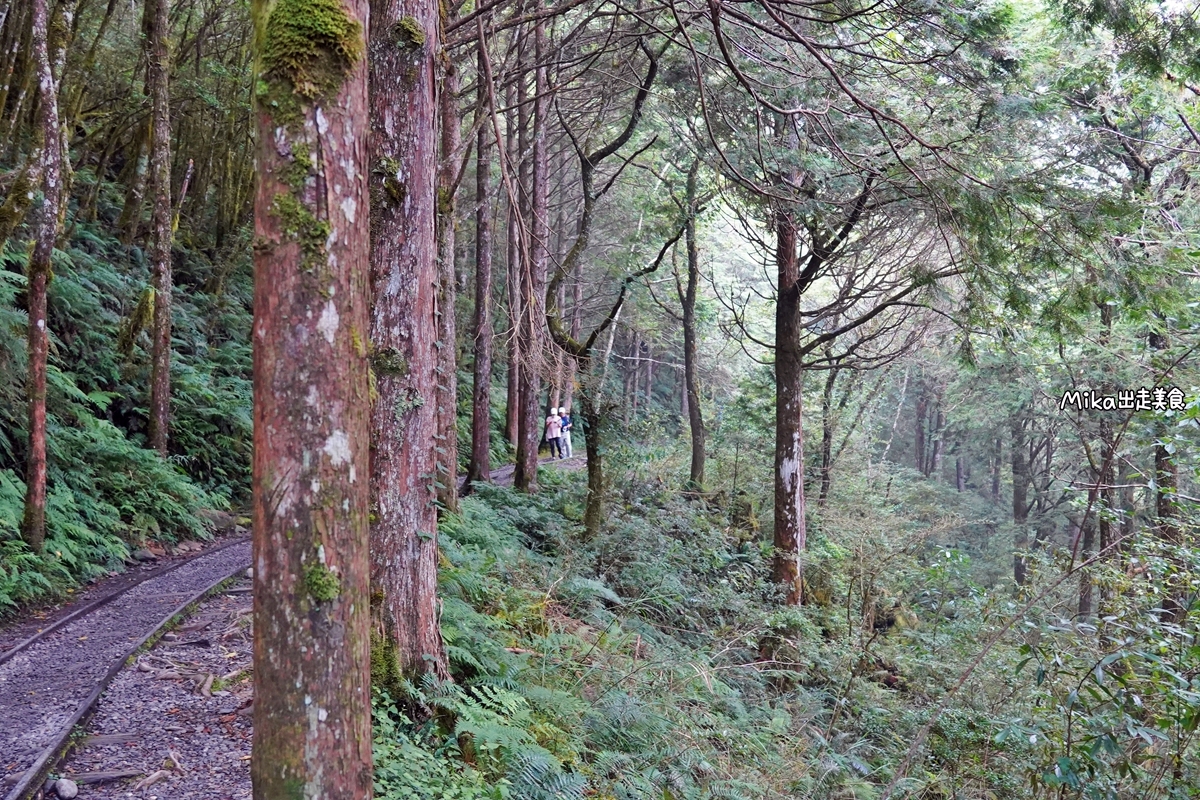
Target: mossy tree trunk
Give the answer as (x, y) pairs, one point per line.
(593, 420)
(687, 299)
(481, 328)
(531, 137)
(157, 31)
(312, 731)
(790, 527)
(513, 280)
(405, 638)
(447, 344)
(33, 525)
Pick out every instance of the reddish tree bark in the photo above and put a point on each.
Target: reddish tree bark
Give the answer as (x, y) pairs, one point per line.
(312, 731)
(33, 524)
(406, 640)
(446, 348)
(157, 29)
(481, 396)
(513, 281)
(790, 527)
(534, 279)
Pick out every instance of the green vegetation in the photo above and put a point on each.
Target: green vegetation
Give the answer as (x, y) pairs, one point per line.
(110, 494)
(988, 207)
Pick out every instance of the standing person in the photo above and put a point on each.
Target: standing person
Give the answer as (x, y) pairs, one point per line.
(564, 439)
(553, 432)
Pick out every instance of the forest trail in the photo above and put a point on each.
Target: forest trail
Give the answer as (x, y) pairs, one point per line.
(503, 476)
(50, 681)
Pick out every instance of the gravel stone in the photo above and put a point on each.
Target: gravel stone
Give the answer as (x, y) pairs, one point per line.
(66, 789)
(202, 742)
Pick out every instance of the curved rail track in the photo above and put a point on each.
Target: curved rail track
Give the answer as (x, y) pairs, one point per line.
(51, 681)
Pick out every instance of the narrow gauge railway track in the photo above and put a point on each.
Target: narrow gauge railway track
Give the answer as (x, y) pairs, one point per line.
(51, 681)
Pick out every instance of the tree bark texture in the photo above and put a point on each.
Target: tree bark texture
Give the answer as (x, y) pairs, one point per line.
(935, 458)
(593, 418)
(157, 71)
(790, 530)
(513, 297)
(1020, 501)
(447, 343)
(533, 287)
(481, 396)
(33, 524)
(1087, 551)
(690, 371)
(312, 728)
(997, 458)
(827, 437)
(405, 637)
(919, 433)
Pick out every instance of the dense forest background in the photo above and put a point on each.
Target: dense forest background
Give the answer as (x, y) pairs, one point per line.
(814, 278)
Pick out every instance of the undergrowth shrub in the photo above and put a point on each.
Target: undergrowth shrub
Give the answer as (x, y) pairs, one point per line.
(108, 493)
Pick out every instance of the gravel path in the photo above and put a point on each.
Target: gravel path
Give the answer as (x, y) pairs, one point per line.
(503, 476)
(42, 687)
(177, 723)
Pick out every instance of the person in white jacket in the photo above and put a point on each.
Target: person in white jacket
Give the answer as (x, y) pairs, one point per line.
(564, 439)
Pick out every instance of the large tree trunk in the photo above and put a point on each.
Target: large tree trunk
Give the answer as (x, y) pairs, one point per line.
(1020, 502)
(135, 176)
(157, 71)
(997, 459)
(513, 285)
(592, 416)
(827, 437)
(919, 432)
(534, 282)
(935, 458)
(690, 371)
(405, 639)
(790, 530)
(481, 329)
(447, 344)
(33, 524)
(1166, 482)
(1087, 552)
(312, 726)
